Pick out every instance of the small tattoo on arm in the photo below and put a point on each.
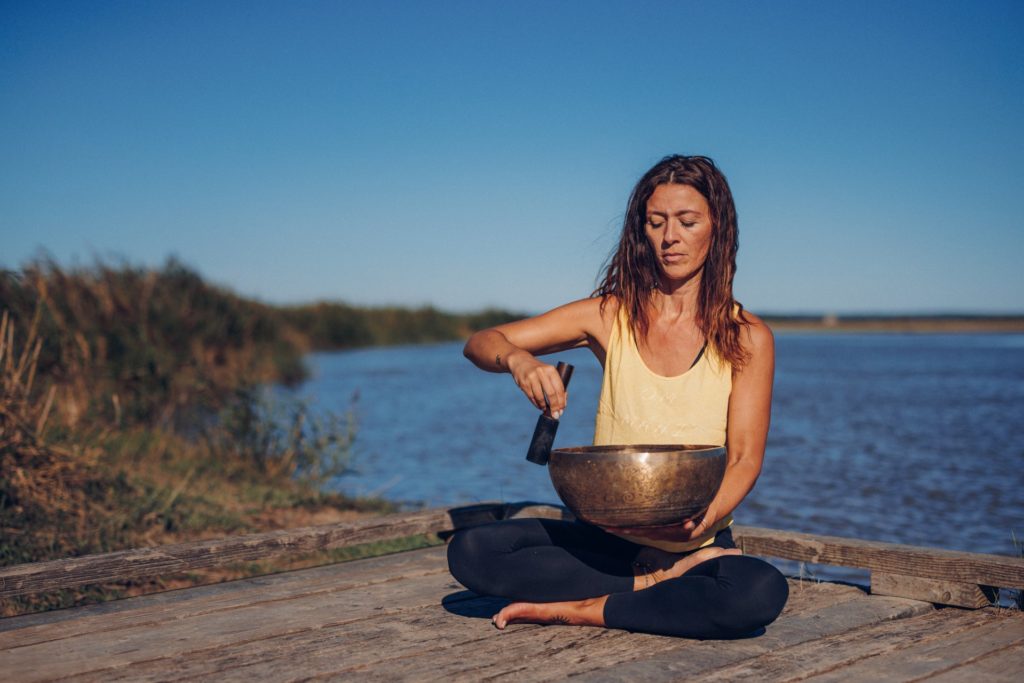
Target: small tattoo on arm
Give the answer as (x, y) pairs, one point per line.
(560, 619)
(497, 361)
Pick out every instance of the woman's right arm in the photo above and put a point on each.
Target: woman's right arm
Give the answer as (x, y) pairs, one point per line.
(514, 347)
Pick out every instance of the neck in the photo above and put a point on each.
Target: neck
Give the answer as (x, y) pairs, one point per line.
(676, 298)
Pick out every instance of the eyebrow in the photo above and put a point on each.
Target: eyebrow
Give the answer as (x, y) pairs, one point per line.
(677, 213)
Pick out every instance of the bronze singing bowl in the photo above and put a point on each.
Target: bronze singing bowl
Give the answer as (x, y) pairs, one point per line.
(637, 486)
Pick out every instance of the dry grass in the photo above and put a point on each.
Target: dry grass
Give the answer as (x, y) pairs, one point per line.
(131, 414)
(39, 481)
(72, 486)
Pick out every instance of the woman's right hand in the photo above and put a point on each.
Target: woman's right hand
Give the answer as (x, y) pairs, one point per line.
(537, 380)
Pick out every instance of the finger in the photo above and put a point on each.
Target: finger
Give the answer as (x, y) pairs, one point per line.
(550, 404)
(554, 391)
(528, 389)
(540, 397)
(533, 386)
(536, 395)
(695, 521)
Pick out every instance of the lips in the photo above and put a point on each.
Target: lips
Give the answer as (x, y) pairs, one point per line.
(672, 258)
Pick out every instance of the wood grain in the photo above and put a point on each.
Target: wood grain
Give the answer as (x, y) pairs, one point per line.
(1002, 666)
(700, 657)
(894, 558)
(890, 558)
(40, 577)
(58, 574)
(427, 642)
(942, 651)
(199, 633)
(833, 652)
(154, 610)
(383, 618)
(968, 595)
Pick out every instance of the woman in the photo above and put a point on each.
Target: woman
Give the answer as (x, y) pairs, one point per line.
(683, 363)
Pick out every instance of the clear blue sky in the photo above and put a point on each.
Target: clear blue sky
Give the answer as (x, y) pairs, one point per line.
(480, 153)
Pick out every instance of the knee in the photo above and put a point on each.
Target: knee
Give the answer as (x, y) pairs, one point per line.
(475, 559)
(463, 557)
(758, 596)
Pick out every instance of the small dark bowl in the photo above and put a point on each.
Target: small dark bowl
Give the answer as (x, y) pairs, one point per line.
(637, 486)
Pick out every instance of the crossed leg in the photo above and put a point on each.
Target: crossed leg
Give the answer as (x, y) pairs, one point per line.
(563, 572)
(590, 612)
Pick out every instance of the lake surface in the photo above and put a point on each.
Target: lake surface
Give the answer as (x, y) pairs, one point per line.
(907, 438)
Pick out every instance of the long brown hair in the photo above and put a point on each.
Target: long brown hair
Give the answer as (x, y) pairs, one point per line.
(631, 273)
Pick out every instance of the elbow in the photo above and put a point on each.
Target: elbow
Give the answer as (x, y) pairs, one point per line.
(476, 348)
(748, 460)
(469, 349)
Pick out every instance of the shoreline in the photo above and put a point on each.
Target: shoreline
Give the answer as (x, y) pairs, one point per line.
(897, 324)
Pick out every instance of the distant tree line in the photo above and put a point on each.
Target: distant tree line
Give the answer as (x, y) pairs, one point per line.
(329, 326)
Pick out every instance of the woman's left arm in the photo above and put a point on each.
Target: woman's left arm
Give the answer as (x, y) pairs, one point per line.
(750, 407)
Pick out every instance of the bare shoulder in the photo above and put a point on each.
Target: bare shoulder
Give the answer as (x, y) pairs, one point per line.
(608, 307)
(570, 325)
(596, 315)
(590, 312)
(757, 338)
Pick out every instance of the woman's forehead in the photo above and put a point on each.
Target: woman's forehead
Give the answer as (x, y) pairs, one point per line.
(675, 198)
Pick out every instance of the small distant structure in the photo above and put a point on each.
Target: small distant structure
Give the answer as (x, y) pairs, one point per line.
(830, 320)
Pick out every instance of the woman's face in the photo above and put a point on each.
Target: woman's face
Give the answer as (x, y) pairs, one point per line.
(679, 229)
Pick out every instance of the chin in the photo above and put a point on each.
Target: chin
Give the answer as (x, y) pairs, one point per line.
(676, 274)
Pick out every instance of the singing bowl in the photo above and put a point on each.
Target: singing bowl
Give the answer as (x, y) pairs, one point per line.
(637, 486)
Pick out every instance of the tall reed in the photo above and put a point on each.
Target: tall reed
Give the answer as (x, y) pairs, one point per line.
(132, 408)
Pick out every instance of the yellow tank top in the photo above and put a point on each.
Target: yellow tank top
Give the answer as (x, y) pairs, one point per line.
(638, 406)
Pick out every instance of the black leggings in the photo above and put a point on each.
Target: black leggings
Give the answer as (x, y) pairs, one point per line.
(544, 560)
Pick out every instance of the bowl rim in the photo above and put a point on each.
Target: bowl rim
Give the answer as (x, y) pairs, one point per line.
(611, 452)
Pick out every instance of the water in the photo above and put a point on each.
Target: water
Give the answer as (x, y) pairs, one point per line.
(913, 439)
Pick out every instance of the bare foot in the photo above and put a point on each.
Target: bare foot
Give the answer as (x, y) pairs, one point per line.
(651, 567)
(577, 613)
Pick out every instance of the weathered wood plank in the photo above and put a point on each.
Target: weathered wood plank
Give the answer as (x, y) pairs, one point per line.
(128, 564)
(935, 655)
(968, 595)
(45, 576)
(1001, 666)
(517, 653)
(886, 557)
(180, 604)
(832, 652)
(406, 645)
(207, 632)
(555, 653)
(894, 558)
(429, 642)
(299, 587)
(703, 657)
(376, 605)
(381, 619)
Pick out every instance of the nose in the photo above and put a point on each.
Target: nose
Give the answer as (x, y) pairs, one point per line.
(672, 233)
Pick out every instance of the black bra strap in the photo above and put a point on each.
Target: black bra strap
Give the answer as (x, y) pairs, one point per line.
(700, 354)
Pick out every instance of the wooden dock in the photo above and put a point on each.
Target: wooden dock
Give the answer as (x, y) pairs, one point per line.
(403, 617)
